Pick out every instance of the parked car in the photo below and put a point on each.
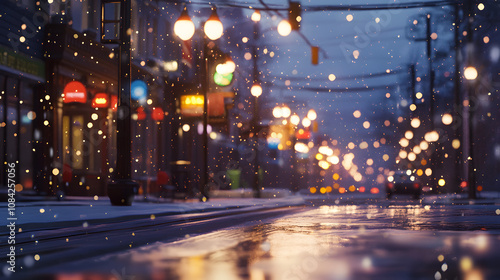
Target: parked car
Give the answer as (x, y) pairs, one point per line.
(403, 183)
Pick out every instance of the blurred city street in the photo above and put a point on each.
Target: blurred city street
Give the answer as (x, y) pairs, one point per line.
(249, 139)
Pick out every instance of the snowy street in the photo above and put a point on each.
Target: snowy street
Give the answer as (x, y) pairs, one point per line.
(249, 139)
(347, 239)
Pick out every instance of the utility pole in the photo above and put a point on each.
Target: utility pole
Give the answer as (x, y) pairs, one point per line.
(469, 13)
(431, 96)
(204, 88)
(431, 71)
(457, 105)
(122, 189)
(255, 118)
(413, 84)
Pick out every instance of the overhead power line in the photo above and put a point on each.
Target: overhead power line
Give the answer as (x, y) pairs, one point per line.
(348, 77)
(338, 90)
(352, 7)
(369, 7)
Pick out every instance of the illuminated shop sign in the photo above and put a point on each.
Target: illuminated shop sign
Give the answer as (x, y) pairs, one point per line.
(192, 105)
(75, 92)
(223, 79)
(101, 100)
(138, 90)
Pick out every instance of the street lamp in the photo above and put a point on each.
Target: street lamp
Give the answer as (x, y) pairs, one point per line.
(256, 91)
(470, 74)
(284, 28)
(184, 26)
(184, 29)
(213, 27)
(256, 16)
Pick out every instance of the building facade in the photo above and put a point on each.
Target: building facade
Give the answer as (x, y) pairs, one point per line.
(59, 95)
(22, 78)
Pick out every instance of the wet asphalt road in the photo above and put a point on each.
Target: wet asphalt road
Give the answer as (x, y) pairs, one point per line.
(400, 239)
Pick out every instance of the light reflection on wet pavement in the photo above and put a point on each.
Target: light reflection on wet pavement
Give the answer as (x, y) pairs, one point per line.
(328, 242)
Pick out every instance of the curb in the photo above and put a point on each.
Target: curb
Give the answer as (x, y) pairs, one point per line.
(151, 210)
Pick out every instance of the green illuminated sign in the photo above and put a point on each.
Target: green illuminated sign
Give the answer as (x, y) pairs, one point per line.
(22, 63)
(223, 80)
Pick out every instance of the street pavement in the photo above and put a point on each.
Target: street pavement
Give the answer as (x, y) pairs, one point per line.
(39, 213)
(76, 227)
(35, 213)
(44, 226)
(355, 236)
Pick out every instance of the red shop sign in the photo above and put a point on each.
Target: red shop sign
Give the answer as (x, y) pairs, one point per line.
(75, 92)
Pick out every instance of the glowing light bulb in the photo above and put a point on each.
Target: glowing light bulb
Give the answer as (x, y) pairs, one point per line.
(284, 28)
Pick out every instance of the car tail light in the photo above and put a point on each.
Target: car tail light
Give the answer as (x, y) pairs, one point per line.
(416, 185)
(390, 185)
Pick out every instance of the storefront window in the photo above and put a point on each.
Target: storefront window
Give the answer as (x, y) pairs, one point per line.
(77, 142)
(65, 140)
(73, 141)
(16, 133)
(83, 138)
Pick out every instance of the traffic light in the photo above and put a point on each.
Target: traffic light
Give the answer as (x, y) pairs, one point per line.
(294, 15)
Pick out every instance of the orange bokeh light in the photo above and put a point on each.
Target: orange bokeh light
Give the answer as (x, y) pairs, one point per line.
(374, 190)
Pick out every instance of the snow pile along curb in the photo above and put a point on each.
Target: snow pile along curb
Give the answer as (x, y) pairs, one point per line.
(80, 212)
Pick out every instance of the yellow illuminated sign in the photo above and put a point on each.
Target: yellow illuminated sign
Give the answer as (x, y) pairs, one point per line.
(101, 101)
(192, 100)
(192, 105)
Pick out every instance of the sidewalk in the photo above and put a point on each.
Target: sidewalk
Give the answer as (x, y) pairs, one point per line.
(463, 198)
(82, 211)
(38, 212)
